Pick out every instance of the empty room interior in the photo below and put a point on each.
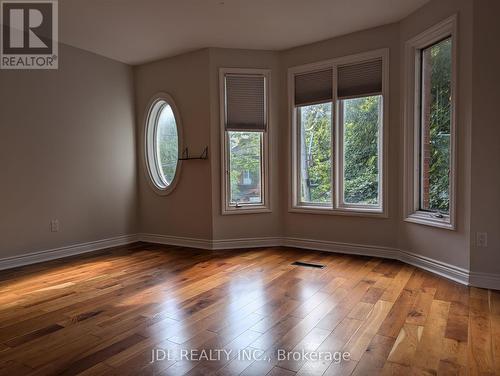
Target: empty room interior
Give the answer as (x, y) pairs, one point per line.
(250, 187)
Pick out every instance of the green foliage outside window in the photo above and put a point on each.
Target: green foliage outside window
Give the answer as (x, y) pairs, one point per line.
(440, 122)
(361, 122)
(361, 125)
(316, 156)
(245, 165)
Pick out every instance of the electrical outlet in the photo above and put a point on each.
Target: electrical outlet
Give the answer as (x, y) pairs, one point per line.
(482, 239)
(54, 225)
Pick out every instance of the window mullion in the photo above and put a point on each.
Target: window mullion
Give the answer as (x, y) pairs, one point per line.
(381, 153)
(298, 167)
(340, 154)
(264, 165)
(227, 164)
(416, 134)
(334, 144)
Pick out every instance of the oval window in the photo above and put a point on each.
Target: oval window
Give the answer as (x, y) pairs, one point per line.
(162, 143)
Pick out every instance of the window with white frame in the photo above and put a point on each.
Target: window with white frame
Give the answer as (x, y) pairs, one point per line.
(430, 126)
(337, 111)
(244, 127)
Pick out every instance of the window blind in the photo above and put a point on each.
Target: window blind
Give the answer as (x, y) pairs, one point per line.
(360, 79)
(245, 102)
(313, 87)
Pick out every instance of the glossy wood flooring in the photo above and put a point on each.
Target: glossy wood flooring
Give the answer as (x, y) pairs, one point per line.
(102, 314)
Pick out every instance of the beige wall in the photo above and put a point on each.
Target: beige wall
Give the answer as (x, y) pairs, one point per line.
(485, 179)
(67, 152)
(187, 211)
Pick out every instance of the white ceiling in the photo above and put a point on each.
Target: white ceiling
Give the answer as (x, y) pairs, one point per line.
(137, 31)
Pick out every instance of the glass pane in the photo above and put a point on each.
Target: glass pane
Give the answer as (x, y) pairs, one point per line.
(315, 153)
(167, 145)
(245, 167)
(436, 127)
(361, 149)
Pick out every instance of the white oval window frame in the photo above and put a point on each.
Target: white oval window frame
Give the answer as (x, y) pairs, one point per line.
(149, 145)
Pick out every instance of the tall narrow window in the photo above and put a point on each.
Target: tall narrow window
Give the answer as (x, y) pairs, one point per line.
(338, 135)
(244, 126)
(435, 127)
(430, 126)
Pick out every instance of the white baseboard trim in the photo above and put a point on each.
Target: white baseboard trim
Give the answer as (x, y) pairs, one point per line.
(179, 241)
(348, 248)
(485, 280)
(67, 251)
(443, 269)
(461, 275)
(246, 243)
(211, 244)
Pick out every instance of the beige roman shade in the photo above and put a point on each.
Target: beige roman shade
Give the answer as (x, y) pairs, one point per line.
(313, 87)
(245, 102)
(359, 79)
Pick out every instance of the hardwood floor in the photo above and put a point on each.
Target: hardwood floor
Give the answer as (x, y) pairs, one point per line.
(103, 314)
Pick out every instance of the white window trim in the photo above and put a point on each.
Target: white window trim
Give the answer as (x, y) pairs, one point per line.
(149, 136)
(265, 206)
(446, 28)
(338, 208)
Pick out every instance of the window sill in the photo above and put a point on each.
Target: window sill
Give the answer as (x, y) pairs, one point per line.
(246, 210)
(427, 219)
(353, 212)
